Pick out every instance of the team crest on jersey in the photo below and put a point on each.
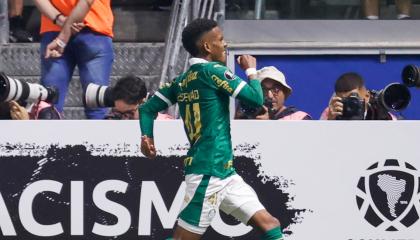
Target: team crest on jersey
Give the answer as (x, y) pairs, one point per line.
(229, 75)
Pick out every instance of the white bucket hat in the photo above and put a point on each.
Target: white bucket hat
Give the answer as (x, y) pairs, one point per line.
(273, 73)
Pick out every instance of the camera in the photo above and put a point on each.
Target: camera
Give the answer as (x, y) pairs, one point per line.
(411, 76)
(353, 108)
(17, 90)
(247, 112)
(394, 97)
(97, 96)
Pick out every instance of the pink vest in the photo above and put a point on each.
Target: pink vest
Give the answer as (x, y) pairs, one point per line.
(299, 115)
(38, 107)
(324, 115)
(162, 116)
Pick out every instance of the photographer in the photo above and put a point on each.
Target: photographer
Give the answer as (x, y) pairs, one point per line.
(352, 101)
(14, 110)
(21, 100)
(128, 94)
(276, 91)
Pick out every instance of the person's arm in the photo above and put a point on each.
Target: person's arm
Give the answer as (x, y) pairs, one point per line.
(48, 10)
(77, 15)
(162, 99)
(56, 48)
(249, 93)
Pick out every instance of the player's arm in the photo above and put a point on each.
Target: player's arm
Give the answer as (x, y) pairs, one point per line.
(161, 100)
(250, 93)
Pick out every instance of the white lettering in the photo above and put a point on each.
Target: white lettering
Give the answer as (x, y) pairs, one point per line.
(229, 230)
(150, 195)
(6, 223)
(76, 208)
(119, 211)
(25, 208)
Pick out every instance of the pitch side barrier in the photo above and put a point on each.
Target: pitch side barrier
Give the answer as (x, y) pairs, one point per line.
(321, 179)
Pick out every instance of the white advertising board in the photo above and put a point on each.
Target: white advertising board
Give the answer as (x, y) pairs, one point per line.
(323, 180)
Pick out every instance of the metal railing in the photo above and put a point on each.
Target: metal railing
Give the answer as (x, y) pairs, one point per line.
(4, 23)
(183, 12)
(259, 9)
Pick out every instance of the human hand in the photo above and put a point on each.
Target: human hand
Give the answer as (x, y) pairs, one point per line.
(55, 49)
(265, 115)
(77, 27)
(18, 112)
(61, 20)
(335, 108)
(247, 61)
(148, 147)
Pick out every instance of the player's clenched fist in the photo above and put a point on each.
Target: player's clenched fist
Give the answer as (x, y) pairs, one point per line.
(247, 61)
(148, 147)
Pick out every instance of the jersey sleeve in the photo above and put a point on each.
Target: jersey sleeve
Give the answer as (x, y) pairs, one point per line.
(228, 83)
(162, 99)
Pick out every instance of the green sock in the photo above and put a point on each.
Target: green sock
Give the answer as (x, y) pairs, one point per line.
(273, 234)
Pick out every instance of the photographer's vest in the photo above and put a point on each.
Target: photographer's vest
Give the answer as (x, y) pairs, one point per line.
(292, 113)
(324, 115)
(45, 111)
(99, 18)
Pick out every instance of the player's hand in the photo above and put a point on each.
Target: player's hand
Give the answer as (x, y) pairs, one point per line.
(335, 108)
(18, 112)
(54, 50)
(264, 116)
(148, 147)
(247, 61)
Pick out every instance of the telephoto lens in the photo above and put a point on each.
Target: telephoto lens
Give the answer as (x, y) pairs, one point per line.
(15, 89)
(394, 97)
(97, 96)
(411, 76)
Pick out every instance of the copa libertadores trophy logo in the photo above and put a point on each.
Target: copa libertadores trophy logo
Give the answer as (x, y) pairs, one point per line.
(389, 195)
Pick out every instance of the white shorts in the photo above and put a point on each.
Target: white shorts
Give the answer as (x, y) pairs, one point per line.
(207, 194)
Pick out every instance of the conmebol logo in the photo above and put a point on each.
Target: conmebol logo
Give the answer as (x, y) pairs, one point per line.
(389, 195)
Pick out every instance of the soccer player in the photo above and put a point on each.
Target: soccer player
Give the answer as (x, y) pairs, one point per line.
(202, 94)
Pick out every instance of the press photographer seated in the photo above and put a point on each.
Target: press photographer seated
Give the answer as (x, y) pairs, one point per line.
(14, 110)
(276, 91)
(125, 98)
(20, 100)
(352, 101)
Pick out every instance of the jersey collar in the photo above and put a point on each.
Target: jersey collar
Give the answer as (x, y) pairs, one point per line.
(193, 61)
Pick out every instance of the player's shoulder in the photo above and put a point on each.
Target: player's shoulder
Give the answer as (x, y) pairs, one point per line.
(216, 66)
(220, 71)
(168, 85)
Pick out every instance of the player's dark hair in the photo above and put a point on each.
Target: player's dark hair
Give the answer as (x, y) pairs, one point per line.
(130, 89)
(193, 32)
(349, 81)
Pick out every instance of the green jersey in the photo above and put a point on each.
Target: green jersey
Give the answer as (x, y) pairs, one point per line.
(202, 94)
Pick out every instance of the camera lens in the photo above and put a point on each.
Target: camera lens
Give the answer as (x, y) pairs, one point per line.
(14, 89)
(4, 87)
(410, 76)
(98, 96)
(395, 97)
